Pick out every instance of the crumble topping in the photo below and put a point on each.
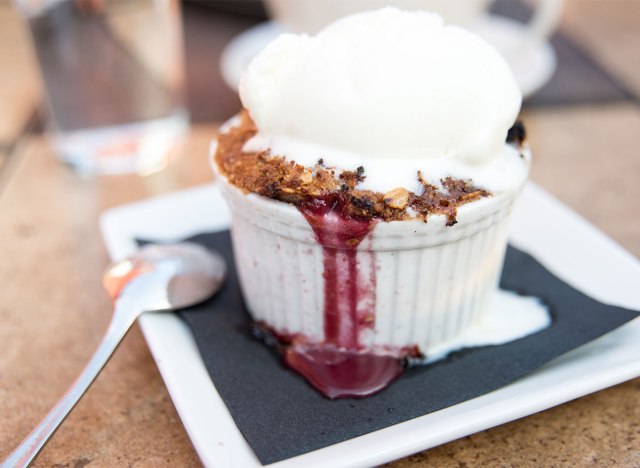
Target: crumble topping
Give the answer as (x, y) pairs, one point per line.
(274, 177)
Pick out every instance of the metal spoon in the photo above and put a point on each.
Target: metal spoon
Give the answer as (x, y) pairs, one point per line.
(156, 278)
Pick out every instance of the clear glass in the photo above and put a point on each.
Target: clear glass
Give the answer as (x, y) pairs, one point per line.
(113, 72)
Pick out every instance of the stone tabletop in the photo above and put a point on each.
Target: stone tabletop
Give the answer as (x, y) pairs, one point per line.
(53, 310)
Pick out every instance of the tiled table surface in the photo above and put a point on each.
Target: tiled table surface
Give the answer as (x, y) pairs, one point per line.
(53, 310)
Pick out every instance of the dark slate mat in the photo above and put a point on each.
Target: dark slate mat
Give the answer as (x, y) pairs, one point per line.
(281, 416)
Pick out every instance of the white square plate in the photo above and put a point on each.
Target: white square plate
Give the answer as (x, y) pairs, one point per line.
(561, 240)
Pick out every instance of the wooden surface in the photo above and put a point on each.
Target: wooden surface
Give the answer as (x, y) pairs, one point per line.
(53, 310)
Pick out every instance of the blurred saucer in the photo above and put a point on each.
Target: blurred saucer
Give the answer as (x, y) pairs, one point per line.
(242, 48)
(532, 64)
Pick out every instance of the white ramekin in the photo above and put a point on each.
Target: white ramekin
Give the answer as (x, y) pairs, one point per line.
(431, 281)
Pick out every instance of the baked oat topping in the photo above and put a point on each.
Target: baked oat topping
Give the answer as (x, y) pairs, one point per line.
(397, 198)
(274, 177)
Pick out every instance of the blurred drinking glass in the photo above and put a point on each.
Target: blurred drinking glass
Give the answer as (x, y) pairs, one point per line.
(113, 73)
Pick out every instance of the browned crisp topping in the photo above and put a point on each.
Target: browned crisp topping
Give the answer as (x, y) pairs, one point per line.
(274, 177)
(397, 198)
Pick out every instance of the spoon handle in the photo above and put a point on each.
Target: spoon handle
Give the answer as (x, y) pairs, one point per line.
(124, 315)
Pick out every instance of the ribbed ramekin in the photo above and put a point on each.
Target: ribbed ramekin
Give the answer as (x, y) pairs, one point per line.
(431, 281)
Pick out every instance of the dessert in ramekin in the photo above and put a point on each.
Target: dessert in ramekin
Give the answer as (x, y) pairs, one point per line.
(370, 180)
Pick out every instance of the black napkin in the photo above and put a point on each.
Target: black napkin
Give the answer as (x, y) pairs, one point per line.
(281, 416)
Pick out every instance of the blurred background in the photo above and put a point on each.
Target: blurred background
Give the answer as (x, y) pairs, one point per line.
(596, 47)
(69, 65)
(591, 58)
(136, 89)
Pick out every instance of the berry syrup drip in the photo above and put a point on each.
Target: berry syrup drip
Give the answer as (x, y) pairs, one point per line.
(338, 367)
(339, 237)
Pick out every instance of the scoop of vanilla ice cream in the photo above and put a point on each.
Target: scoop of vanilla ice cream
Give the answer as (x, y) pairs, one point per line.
(385, 84)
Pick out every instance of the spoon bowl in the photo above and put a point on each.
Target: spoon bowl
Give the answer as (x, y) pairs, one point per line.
(194, 274)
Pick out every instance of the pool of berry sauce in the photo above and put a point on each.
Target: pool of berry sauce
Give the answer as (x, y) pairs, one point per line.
(339, 367)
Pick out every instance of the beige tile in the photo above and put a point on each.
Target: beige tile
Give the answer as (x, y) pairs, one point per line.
(19, 80)
(610, 30)
(595, 431)
(589, 158)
